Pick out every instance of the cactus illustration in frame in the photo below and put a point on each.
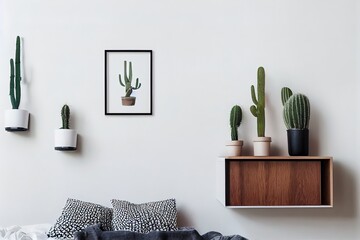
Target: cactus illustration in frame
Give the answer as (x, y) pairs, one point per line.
(128, 77)
(127, 100)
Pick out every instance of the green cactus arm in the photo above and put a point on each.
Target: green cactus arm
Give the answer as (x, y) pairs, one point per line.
(261, 87)
(121, 83)
(17, 73)
(126, 80)
(130, 72)
(286, 93)
(253, 95)
(137, 84)
(12, 77)
(254, 111)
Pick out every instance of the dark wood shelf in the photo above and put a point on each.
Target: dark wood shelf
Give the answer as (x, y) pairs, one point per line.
(275, 181)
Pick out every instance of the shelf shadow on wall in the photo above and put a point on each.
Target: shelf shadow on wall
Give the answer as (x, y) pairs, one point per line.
(345, 201)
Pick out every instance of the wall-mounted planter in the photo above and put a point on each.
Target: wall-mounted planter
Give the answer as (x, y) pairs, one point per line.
(262, 146)
(65, 139)
(16, 120)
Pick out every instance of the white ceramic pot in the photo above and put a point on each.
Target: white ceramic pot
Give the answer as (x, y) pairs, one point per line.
(16, 120)
(65, 139)
(262, 146)
(234, 148)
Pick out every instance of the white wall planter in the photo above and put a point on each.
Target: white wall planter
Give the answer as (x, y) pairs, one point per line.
(234, 148)
(16, 120)
(65, 139)
(262, 146)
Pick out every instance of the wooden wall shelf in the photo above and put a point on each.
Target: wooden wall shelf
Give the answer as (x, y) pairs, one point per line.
(275, 182)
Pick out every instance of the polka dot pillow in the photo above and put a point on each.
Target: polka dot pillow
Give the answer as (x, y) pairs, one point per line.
(77, 215)
(145, 217)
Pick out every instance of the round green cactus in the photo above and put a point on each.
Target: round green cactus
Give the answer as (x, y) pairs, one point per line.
(235, 121)
(296, 112)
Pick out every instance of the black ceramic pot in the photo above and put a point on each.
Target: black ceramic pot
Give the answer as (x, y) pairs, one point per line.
(298, 142)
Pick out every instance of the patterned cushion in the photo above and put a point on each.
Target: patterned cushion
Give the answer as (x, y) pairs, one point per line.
(77, 215)
(145, 217)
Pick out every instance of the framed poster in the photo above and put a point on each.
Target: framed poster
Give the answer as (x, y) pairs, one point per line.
(128, 82)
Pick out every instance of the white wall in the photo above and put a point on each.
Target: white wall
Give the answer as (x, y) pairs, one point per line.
(205, 58)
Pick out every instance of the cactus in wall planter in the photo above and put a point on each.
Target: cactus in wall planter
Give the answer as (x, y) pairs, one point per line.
(65, 138)
(296, 115)
(15, 78)
(234, 148)
(262, 143)
(16, 119)
(127, 100)
(65, 117)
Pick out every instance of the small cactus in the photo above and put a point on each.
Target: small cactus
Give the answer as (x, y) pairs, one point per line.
(235, 121)
(128, 80)
(296, 112)
(15, 78)
(258, 109)
(65, 116)
(286, 93)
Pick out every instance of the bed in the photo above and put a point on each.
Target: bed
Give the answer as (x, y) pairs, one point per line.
(81, 220)
(94, 232)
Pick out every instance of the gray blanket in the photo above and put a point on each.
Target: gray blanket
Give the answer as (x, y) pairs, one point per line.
(95, 233)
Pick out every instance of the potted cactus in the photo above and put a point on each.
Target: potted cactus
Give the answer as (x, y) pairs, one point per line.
(16, 119)
(234, 148)
(261, 143)
(296, 114)
(65, 138)
(127, 100)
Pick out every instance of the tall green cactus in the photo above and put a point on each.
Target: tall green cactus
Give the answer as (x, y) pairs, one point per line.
(65, 116)
(296, 112)
(15, 78)
(258, 109)
(128, 80)
(286, 93)
(235, 121)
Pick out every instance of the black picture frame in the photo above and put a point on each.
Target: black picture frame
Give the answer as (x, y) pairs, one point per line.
(141, 99)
